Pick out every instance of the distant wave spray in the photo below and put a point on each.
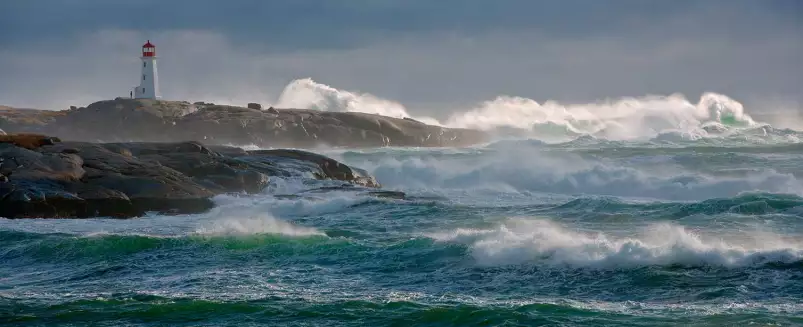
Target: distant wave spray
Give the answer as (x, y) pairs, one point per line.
(308, 94)
(622, 119)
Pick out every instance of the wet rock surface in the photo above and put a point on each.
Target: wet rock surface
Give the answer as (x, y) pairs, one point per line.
(43, 177)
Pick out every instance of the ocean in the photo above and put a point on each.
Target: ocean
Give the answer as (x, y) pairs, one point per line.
(581, 223)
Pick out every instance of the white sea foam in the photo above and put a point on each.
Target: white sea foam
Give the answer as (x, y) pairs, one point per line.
(236, 215)
(256, 224)
(270, 212)
(625, 118)
(542, 241)
(308, 94)
(619, 119)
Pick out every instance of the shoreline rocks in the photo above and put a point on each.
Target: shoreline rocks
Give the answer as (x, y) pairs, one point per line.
(43, 177)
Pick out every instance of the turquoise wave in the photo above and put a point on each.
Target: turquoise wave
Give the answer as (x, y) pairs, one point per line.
(743, 204)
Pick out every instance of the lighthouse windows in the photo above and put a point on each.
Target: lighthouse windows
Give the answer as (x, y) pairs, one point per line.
(143, 77)
(144, 64)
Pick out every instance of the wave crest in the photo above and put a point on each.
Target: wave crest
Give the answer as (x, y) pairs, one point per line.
(261, 224)
(308, 94)
(622, 119)
(541, 241)
(626, 118)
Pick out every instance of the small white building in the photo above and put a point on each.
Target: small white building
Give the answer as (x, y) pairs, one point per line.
(149, 80)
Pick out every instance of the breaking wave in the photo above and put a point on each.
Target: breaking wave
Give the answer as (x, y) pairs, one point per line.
(308, 94)
(259, 224)
(520, 241)
(621, 119)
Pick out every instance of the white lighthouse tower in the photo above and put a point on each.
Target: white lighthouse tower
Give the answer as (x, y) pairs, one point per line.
(149, 80)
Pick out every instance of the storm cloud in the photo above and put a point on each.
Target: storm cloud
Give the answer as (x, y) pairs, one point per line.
(433, 56)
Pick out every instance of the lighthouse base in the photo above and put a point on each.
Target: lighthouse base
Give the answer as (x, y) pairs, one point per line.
(142, 93)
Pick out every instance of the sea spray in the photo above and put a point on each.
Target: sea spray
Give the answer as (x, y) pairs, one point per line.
(627, 118)
(308, 94)
(528, 168)
(261, 224)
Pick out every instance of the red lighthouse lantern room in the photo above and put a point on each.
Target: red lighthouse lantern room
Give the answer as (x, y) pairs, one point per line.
(148, 50)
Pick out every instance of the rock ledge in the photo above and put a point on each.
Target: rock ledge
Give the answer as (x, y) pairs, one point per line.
(42, 177)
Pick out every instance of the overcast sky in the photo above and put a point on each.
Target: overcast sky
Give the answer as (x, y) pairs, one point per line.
(431, 55)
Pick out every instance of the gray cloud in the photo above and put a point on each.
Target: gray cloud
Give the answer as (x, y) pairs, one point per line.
(433, 56)
(294, 24)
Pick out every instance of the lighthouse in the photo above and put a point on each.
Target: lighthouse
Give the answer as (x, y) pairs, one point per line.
(149, 80)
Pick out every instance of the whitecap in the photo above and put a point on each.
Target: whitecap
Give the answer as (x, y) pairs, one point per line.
(544, 242)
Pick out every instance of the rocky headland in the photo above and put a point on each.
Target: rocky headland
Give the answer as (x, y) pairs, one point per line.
(45, 177)
(126, 157)
(145, 120)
